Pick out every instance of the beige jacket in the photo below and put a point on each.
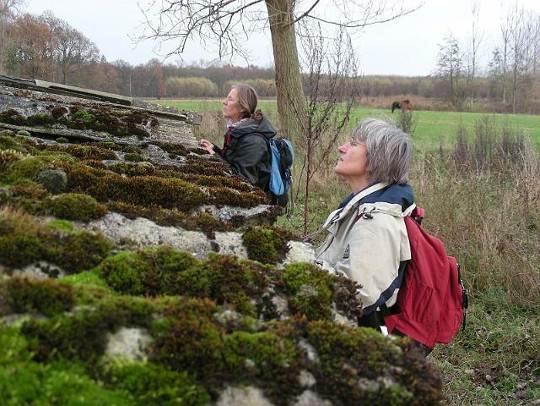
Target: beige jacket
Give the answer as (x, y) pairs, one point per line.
(366, 243)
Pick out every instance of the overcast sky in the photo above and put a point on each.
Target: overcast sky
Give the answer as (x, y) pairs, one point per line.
(407, 46)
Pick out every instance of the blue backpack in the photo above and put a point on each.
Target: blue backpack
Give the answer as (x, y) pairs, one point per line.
(282, 153)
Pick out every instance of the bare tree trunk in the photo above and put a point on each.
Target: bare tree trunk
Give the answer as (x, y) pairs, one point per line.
(290, 94)
(306, 187)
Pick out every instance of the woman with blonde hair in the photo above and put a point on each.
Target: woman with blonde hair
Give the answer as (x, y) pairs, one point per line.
(245, 145)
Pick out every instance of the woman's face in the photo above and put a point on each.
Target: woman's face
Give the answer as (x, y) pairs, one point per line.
(353, 164)
(231, 107)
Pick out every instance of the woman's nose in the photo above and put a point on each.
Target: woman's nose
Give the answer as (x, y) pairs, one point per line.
(343, 148)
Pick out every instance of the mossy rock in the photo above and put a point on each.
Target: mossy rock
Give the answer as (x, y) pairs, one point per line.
(40, 119)
(266, 244)
(78, 251)
(154, 384)
(75, 206)
(310, 289)
(133, 157)
(189, 339)
(21, 249)
(125, 272)
(26, 168)
(366, 353)
(82, 334)
(12, 116)
(46, 297)
(54, 180)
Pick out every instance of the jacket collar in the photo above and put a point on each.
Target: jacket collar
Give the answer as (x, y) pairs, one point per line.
(338, 214)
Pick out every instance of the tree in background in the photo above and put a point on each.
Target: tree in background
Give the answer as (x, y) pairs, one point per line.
(42, 46)
(31, 49)
(450, 68)
(472, 54)
(72, 48)
(229, 23)
(8, 10)
(515, 61)
(331, 84)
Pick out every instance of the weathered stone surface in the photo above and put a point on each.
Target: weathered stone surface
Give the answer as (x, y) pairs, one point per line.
(300, 252)
(128, 343)
(40, 270)
(310, 398)
(142, 232)
(243, 396)
(230, 243)
(252, 215)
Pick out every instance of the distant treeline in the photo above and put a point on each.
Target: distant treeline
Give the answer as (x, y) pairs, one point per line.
(48, 48)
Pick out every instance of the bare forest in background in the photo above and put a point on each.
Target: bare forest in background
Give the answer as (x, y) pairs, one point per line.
(48, 48)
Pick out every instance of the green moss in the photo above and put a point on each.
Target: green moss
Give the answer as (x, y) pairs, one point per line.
(172, 217)
(189, 339)
(84, 151)
(133, 157)
(47, 297)
(125, 272)
(10, 143)
(155, 385)
(310, 290)
(12, 116)
(78, 251)
(169, 270)
(85, 278)
(266, 244)
(26, 168)
(29, 189)
(23, 241)
(83, 119)
(139, 190)
(19, 250)
(132, 169)
(353, 362)
(61, 225)
(264, 357)
(234, 282)
(40, 119)
(54, 180)
(175, 149)
(75, 206)
(82, 334)
(59, 383)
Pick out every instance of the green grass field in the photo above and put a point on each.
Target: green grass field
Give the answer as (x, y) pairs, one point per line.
(432, 127)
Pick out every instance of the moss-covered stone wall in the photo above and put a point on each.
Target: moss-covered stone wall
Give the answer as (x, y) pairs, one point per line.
(87, 318)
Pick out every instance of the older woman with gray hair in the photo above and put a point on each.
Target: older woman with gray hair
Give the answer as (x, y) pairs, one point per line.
(367, 239)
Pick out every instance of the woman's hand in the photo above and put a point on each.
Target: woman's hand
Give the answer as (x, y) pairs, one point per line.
(207, 145)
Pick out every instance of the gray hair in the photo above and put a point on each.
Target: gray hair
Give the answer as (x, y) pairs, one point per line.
(388, 150)
(247, 98)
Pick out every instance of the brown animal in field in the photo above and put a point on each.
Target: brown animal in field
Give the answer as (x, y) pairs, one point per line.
(404, 105)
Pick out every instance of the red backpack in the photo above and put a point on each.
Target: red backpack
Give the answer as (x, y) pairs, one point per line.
(432, 299)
